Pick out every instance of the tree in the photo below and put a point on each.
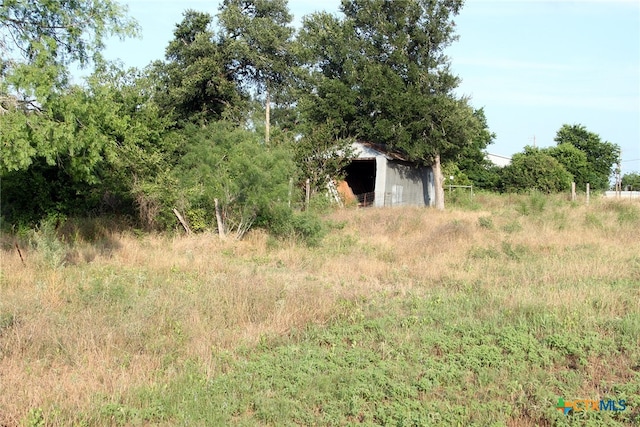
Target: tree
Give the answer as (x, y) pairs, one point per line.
(601, 155)
(533, 169)
(228, 163)
(83, 151)
(321, 154)
(386, 62)
(196, 83)
(574, 161)
(631, 181)
(40, 39)
(257, 34)
(472, 160)
(328, 48)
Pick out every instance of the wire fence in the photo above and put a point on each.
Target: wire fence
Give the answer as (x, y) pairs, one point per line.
(366, 199)
(397, 198)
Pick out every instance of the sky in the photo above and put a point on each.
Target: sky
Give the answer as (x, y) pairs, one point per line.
(532, 65)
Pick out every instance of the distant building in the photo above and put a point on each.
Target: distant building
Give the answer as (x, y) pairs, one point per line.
(623, 194)
(498, 160)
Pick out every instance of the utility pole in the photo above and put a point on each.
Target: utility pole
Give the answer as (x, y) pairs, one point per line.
(618, 173)
(267, 121)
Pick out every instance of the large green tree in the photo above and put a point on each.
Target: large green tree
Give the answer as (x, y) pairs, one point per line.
(601, 155)
(197, 82)
(381, 74)
(39, 40)
(472, 158)
(574, 161)
(84, 151)
(631, 181)
(258, 36)
(228, 163)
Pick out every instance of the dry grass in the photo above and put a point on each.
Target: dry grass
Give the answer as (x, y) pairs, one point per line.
(112, 320)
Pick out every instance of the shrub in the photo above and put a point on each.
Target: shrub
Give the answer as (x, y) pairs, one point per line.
(535, 204)
(230, 164)
(535, 170)
(282, 222)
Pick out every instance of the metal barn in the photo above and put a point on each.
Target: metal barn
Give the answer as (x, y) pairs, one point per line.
(379, 177)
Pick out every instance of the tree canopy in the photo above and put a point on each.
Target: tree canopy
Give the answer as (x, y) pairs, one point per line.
(197, 82)
(381, 74)
(601, 155)
(580, 156)
(43, 116)
(40, 39)
(631, 181)
(533, 169)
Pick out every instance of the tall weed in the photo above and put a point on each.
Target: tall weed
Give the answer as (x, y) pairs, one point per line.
(51, 251)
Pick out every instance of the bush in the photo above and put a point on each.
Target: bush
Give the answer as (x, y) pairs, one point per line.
(307, 227)
(535, 170)
(223, 162)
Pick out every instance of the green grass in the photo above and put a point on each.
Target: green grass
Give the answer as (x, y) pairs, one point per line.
(435, 358)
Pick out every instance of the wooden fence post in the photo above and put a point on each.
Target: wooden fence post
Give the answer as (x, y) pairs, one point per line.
(573, 191)
(307, 194)
(290, 190)
(588, 193)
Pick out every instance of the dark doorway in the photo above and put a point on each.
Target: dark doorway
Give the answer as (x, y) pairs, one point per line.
(361, 177)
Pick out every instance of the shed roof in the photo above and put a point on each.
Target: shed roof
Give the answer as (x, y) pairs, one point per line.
(365, 149)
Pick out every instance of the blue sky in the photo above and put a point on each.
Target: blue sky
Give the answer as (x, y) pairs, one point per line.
(532, 65)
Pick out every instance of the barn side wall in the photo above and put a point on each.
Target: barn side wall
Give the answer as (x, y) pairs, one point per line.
(406, 185)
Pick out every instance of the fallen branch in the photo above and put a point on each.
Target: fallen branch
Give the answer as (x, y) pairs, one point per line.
(20, 253)
(182, 221)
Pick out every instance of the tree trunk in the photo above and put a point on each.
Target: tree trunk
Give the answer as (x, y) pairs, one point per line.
(267, 121)
(439, 180)
(221, 232)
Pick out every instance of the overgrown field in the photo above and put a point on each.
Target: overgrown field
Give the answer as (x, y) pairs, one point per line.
(485, 314)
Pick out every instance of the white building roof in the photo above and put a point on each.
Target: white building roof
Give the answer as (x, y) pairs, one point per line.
(498, 160)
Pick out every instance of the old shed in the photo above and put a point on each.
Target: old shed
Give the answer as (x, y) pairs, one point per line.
(380, 177)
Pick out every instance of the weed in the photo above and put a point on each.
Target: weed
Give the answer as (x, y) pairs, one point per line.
(51, 250)
(462, 198)
(592, 219)
(34, 418)
(628, 214)
(483, 253)
(538, 202)
(515, 253)
(560, 220)
(485, 222)
(7, 320)
(512, 227)
(533, 205)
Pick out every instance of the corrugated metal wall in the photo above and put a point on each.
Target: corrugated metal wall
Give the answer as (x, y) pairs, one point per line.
(406, 185)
